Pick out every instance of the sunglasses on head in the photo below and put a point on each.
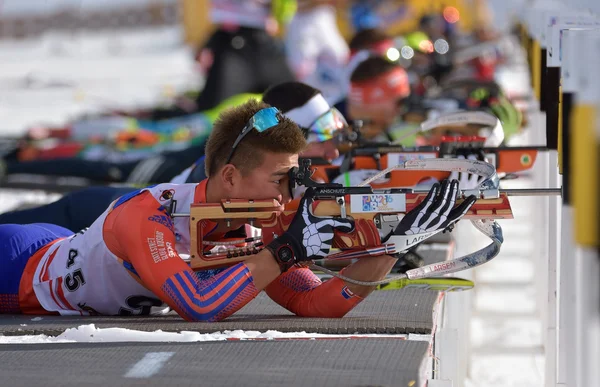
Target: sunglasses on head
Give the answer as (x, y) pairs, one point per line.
(262, 120)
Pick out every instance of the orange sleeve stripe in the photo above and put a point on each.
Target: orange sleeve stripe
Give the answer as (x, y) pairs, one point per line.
(193, 283)
(231, 282)
(211, 308)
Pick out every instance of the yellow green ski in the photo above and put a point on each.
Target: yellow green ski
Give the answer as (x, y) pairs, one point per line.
(438, 284)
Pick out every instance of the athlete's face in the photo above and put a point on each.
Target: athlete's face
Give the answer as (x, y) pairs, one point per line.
(377, 117)
(269, 181)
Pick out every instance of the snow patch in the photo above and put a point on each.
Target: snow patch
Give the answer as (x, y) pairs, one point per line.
(91, 334)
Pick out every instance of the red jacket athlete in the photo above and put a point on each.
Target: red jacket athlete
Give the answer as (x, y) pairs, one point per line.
(128, 261)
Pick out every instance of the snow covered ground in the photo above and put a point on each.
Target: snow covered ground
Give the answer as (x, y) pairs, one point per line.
(58, 77)
(90, 334)
(11, 8)
(62, 76)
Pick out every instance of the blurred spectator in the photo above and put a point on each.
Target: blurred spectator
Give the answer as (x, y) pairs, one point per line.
(241, 56)
(316, 50)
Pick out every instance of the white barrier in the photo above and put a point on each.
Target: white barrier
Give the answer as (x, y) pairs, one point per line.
(572, 313)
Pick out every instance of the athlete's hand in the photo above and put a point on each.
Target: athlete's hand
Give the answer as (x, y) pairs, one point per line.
(308, 236)
(431, 216)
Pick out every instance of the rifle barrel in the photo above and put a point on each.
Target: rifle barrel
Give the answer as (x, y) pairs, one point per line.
(368, 150)
(539, 148)
(533, 192)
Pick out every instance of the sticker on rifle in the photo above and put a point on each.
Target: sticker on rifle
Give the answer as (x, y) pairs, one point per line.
(399, 158)
(378, 203)
(525, 160)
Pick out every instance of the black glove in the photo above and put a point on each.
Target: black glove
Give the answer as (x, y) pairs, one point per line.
(308, 236)
(431, 216)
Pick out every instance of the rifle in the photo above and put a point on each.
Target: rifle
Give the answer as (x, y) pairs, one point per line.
(376, 214)
(365, 155)
(505, 159)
